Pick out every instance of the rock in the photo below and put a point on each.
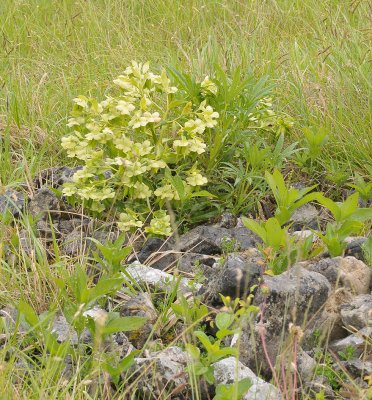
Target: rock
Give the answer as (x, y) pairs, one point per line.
(294, 296)
(68, 225)
(347, 272)
(227, 220)
(355, 275)
(26, 242)
(305, 216)
(8, 316)
(204, 240)
(229, 370)
(162, 372)
(46, 230)
(305, 366)
(360, 341)
(157, 253)
(357, 313)
(190, 262)
(234, 278)
(354, 247)
(358, 367)
(210, 240)
(140, 305)
(54, 177)
(12, 201)
(328, 321)
(80, 242)
(43, 203)
(159, 279)
(64, 332)
(320, 384)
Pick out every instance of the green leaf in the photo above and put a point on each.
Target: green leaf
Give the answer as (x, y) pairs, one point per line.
(124, 324)
(104, 287)
(349, 206)
(224, 320)
(204, 339)
(255, 227)
(30, 316)
(193, 351)
(362, 214)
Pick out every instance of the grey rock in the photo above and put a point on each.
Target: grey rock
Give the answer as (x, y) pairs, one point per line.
(229, 370)
(227, 220)
(158, 254)
(25, 242)
(345, 272)
(328, 320)
(140, 305)
(8, 316)
(55, 177)
(79, 241)
(305, 366)
(360, 341)
(292, 297)
(358, 367)
(305, 216)
(159, 279)
(43, 203)
(211, 240)
(188, 261)
(64, 332)
(358, 313)
(320, 384)
(354, 247)
(162, 372)
(46, 230)
(234, 278)
(68, 225)
(12, 201)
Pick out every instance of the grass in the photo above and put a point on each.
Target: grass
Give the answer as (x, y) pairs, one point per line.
(315, 52)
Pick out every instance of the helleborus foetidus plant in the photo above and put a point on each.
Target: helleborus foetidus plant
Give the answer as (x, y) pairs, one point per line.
(139, 148)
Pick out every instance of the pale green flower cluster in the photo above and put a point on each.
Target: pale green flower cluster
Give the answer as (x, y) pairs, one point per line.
(264, 117)
(133, 142)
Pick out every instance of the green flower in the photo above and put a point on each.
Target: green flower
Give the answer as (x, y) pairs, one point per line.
(208, 86)
(141, 191)
(195, 126)
(128, 221)
(196, 179)
(197, 146)
(166, 192)
(124, 107)
(160, 224)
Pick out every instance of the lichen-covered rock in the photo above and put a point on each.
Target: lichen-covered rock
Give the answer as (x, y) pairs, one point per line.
(12, 201)
(162, 372)
(44, 203)
(328, 321)
(357, 313)
(155, 278)
(210, 240)
(54, 177)
(229, 370)
(292, 297)
(305, 216)
(360, 341)
(140, 305)
(345, 272)
(234, 278)
(157, 253)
